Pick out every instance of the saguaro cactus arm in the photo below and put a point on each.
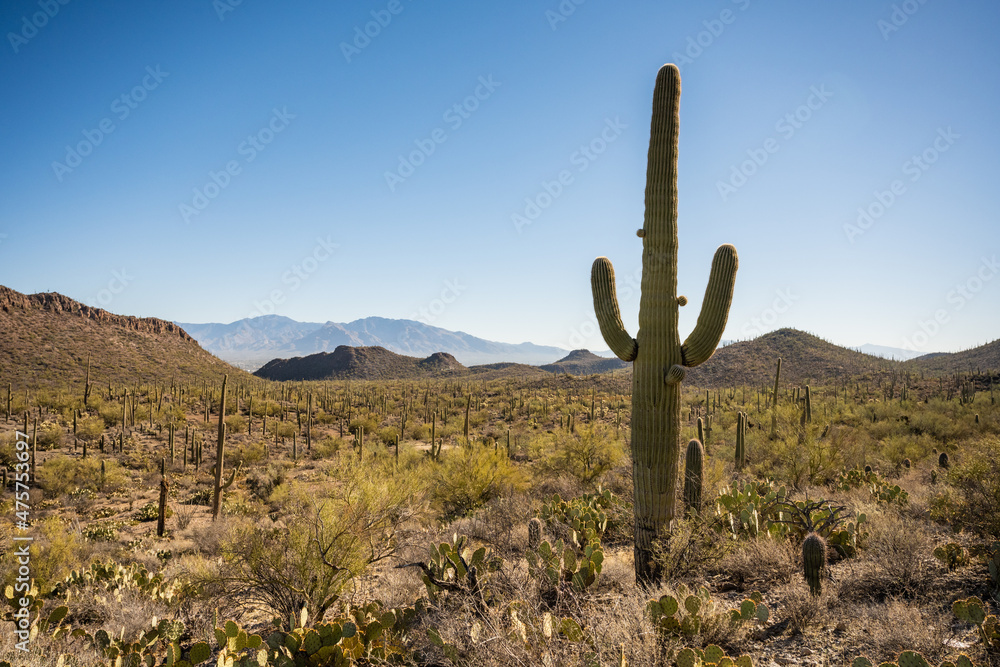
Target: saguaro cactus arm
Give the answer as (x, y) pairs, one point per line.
(701, 343)
(602, 280)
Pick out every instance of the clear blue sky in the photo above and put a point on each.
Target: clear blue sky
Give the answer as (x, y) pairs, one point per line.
(205, 161)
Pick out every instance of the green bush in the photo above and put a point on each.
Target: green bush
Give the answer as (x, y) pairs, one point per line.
(470, 476)
(973, 501)
(319, 544)
(62, 474)
(586, 454)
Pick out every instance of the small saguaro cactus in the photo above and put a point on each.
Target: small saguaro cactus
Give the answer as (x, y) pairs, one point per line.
(741, 440)
(943, 460)
(813, 561)
(694, 467)
(534, 533)
(658, 355)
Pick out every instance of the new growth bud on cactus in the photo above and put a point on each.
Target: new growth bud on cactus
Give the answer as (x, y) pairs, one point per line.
(813, 561)
(658, 355)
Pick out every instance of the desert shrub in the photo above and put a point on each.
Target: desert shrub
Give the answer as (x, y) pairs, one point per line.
(236, 424)
(761, 564)
(975, 481)
(89, 428)
(111, 413)
(586, 455)
(63, 474)
(368, 422)
(387, 435)
(420, 432)
(694, 545)
(471, 476)
(261, 482)
(318, 544)
(896, 448)
(50, 435)
(326, 448)
(57, 550)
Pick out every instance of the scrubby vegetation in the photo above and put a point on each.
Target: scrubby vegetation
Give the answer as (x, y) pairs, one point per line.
(490, 523)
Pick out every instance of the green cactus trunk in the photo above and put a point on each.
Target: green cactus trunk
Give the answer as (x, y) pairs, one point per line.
(694, 465)
(658, 356)
(813, 561)
(774, 402)
(741, 440)
(220, 451)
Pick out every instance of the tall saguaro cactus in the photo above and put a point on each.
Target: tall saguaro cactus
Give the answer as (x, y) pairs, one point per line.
(220, 450)
(658, 355)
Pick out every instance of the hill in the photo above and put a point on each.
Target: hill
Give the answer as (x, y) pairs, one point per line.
(252, 342)
(48, 337)
(359, 363)
(805, 358)
(585, 362)
(979, 359)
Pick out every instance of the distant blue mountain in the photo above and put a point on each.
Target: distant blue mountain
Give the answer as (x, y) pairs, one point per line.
(250, 343)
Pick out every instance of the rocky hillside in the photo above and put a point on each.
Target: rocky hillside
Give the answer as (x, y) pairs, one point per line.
(47, 339)
(360, 363)
(805, 358)
(585, 362)
(982, 359)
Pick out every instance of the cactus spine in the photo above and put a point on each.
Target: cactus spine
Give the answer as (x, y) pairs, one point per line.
(220, 451)
(658, 355)
(694, 466)
(813, 561)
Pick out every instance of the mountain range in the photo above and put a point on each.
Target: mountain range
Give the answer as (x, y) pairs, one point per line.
(49, 339)
(250, 343)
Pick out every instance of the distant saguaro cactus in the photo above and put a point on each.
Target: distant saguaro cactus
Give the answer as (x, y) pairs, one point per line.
(220, 451)
(741, 440)
(658, 355)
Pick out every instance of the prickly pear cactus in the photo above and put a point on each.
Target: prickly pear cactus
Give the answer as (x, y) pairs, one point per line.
(658, 355)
